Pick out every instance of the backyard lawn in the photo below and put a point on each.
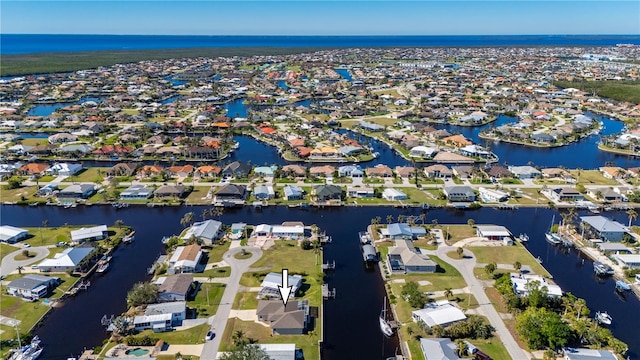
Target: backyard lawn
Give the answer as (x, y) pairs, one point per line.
(207, 304)
(507, 255)
(246, 300)
(592, 177)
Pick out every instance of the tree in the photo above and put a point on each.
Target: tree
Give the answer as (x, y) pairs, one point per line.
(416, 298)
(14, 182)
(246, 352)
(471, 222)
(459, 251)
(422, 217)
(389, 219)
(517, 265)
(461, 348)
(541, 328)
(121, 325)
(20, 268)
(238, 338)
(45, 223)
(632, 215)
(119, 223)
(142, 293)
(26, 253)
(448, 293)
(187, 219)
(490, 268)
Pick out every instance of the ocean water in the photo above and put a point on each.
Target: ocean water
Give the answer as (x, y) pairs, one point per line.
(32, 43)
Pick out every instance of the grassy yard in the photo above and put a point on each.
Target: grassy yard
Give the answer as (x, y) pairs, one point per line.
(457, 232)
(5, 249)
(592, 177)
(492, 347)
(308, 342)
(246, 300)
(53, 235)
(197, 195)
(416, 196)
(14, 195)
(507, 255)
(216, 252)
(207, 305)
(288, 255)
(194, 335)
(89, 175)
(217, 272)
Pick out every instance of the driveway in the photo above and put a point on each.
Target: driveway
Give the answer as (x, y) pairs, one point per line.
(10, 265)
(465, 266)
(219, 322)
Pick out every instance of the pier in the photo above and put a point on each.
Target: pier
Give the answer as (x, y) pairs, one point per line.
(329, 266)
(328, 293)
(156, 264)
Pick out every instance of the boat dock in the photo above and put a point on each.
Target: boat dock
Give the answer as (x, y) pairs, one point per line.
(82, 285)
(329, 266)
(156, 264)
(328, 293)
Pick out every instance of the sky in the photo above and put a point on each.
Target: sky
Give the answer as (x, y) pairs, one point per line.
(306, 17)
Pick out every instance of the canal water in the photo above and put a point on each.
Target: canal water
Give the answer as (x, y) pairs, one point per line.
(351, 328)
(48, 109)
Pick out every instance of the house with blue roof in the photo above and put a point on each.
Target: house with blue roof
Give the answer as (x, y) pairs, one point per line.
(351, 170)
(603, 228)
(402, 231)
(206, 231)
(292, 192)
(68, 259)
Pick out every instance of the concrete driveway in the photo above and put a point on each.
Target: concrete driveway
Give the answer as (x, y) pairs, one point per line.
(10, 265)
(219, 322)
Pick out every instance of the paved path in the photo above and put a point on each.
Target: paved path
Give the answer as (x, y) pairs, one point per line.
(10, 265)
(219, 322)
(465, 266)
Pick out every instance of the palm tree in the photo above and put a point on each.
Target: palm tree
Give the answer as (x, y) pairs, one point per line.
(187, 219)
(401, 218)
(422, 217)
(632, 215)
(204, 214)
(517, 265)
(45, 223)
(389, 219)
(119, 223)
(20, 268)
(448, 293)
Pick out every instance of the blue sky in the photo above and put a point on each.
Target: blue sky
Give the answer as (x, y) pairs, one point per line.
(266, 17)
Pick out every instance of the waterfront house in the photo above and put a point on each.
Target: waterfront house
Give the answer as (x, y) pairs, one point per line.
(177, 309)
(77, 191)
(498, 171)
(402, 231)
(360, 192)
(379, 170)
(422, 152)
(609, 248)
(588, 354)
(446, 157)
(11, 234)
(185, 259)
(158, 322)
(405, 171)
(68, 259)
(294, 170)
(136, 192)
(263, 192)
(273, 280)
(123, 169)
(326, 192)
(490, 195)
(605, 194)
(404, 257)
(463, 171)
(632, 261)
(522, 285)
(372, 127)
(207, 171)
(180, 171)
(459, 193)
(173, 191)
(441, 313)
(64, 169)
(293, 192)
(284, 231)
(61, 138)
(438, 171)
(34, 169)
(174, 287)
(602, 228)
(236, 169)
(492, 232)
(439, 349)
(151, 170)
(350, 170)
(207, 232)
(279, 351)
(525, 172)
(267, 171)
(231, 192)
(394, 195)
(565, 194)
(89, 234)
(291, 319)
(613, 172)
(322, 171)
(32, 286)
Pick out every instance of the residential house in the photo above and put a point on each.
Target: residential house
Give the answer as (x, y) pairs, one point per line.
(326, 192)
(89, 234)
(360, 192)
(322, 171)
(613, 172)
(207, 171)
(632, 261)
(351, 170)
(174, 287)
(525, 172)
(438, 171)
(293, 192)
(34, 169)
(291, 319)
(588, 354)
(180, 171)
(151, 170)
(61, 138)
(463, 171)
(77, 191)
(68, 259)
(439, 349)
(207, 231)
(602, 228)
(438, 314)
(11, 234)
(498, 172)
(173, 191)
(457, 141)
(605, 194)
(231, 192)
(288, 231)
(422, 152)
(177, 309)
(394, 195)
(32, 286)
(491, 195)
(379, 170)
(459, 193)
(185, 259)
(279, 351)
(158, 322)
(404, 257)
(123, 169)
(402, 231)
(273, 281)
(492, 232)
(136, 192)
(405, 172)
(263, 192)
(565, 194)
(294, 170)
(64, 169)
(48, 189)
(522, 285)
(236, 169)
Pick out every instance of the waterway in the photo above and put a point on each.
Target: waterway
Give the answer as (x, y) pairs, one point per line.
(48, 109)
(351, 329)
(345, 73)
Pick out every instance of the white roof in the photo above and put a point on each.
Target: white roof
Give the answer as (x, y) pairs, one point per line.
(152, 318)
(8, 232)
(393, 192)
(70, 257)
(629, 259)
(273, 280)
(279, 351)
(88, 233)
(520, 284)
(493, 230)
(440, 314)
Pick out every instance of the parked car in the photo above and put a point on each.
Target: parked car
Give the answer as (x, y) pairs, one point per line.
(26, 245)
(210, 335)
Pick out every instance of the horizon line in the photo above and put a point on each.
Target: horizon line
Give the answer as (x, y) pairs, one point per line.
(314, 35)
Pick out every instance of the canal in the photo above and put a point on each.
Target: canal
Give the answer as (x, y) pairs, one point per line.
(351, 329)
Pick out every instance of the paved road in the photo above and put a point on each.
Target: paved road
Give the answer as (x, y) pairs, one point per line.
(238, 267)
(10, 265)
(465, 266)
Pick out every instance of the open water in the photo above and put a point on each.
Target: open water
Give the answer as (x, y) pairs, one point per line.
(351, 329)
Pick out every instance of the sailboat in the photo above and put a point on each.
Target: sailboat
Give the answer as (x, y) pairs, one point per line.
(553, 238)
(384, 324)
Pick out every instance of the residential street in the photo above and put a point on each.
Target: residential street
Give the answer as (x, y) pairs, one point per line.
(10, 265)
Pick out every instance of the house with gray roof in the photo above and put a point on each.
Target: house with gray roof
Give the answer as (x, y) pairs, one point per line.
(327, 192)
(68, 259)
(207, 231)
(438, 349)
(11, 234)
(174, 191)
(293, 192)
(588, 354)
(88, 234)
(402, 231)
(32, 286)
(405, 258)
(263, 192)
(174, 287)
(77, 191)
(136, 192)
(459, 193)
(603, 228)
(291, 319)
(525, 172)
(177, 309)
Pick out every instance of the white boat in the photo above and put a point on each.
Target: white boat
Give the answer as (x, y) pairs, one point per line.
(129, 237)
(384, 324)
(28, 352)
(523, 238)
(602, 269)
(102, 267)
(552, 238)
(603, 318)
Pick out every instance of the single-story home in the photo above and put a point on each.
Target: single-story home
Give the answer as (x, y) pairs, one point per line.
(491, 195)
(402, 231)
(588, 354)
(77, 191)
(632, 261)
(64, 169)
(32, 286)
(360, 192)
(521, 285)
(279, 231)
(279, 351)
(263, 192)
(440, 313)
(404, 257)
(68, 259)
(492, 232)
(293, 192)
(394, 195)
(439, 349)
(603, 228)
(273, 281)
(291, 319)
(174, 287)
(459, 193)
(565, 194)
(327, 192)
(231, 192)
(174, 191)
(11, 234)
(185, 259)
(207, 231)
(136, 192)
(525, 172)
(88, 234)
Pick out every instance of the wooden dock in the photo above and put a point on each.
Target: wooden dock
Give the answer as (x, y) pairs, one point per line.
(328, 293)
(329, 266)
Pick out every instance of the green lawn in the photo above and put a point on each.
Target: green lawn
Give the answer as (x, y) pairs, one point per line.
(308, 342)
(507, 255)
(416, 196)
(89, 175)
(592, 177)
(246, 300)
(14, 195)
(492, 347)
(207, 305)
(14, 307)
(216, 252)
(197, 195)
(457, 232)
(194, 335)
(217, 272)
(53, 235)
(5, 249)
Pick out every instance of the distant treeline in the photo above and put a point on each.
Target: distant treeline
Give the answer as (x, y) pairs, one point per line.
(42, 63)
(621, 90)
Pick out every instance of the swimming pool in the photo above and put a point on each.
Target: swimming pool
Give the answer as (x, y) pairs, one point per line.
(137, 352)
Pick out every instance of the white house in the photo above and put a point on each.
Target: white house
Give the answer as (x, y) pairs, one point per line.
(394, 195)
(68, 259)
(422, 151)
(177, 309)
(490, 195)
(32, 286)
(280, 231)
(207, 231)
(630, 260)
(525, 172)
(521, 288)
(438, 313)
(273, 281)
(186, 258)
(64, 169)
(11, 234)
(159, 323)
(88, 234)
(603, 228)
(492, 232)
(459, 193)
(360, 192)
(279, 351)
